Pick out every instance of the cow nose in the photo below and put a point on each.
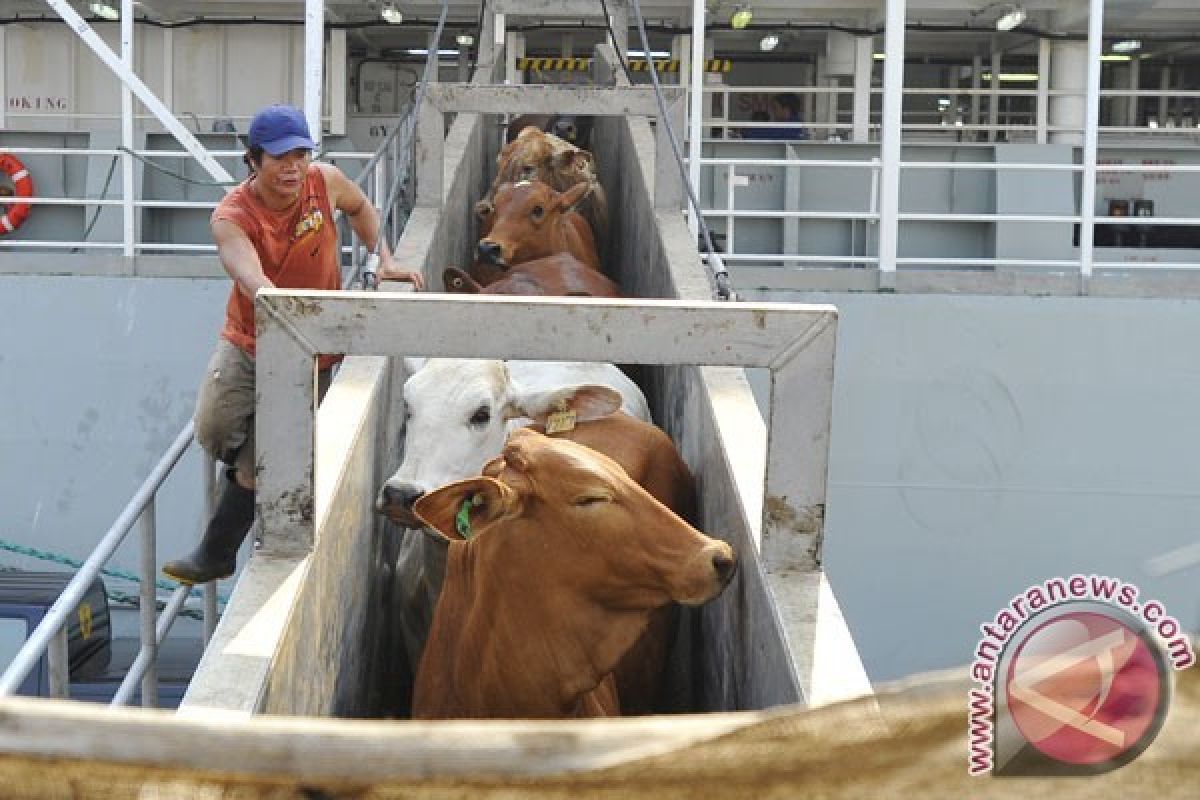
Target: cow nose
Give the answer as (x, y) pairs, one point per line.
(490, 251)
(402, 496)
(725, 565)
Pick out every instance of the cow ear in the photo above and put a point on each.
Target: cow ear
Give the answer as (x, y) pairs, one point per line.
(587, 401)
(571, 197)
(462, 510)
(455, 280)
(413, 363)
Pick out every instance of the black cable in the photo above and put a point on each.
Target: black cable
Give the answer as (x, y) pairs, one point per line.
(176, 175)
(720, 275)
(112, 167)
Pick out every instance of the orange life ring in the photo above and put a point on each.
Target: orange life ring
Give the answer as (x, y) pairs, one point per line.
(15, 213)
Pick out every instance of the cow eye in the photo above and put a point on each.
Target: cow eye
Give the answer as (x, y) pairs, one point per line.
(538, 212)
(481, 417)
(593, 498)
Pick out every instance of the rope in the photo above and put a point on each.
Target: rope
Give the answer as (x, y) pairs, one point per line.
(58, 558)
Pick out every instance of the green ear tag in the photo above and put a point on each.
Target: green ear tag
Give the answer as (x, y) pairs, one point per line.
(462, 520)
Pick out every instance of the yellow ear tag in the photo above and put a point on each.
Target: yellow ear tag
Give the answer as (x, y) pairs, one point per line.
(560, 421)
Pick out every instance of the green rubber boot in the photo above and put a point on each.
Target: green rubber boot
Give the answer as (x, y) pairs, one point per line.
(216, 556)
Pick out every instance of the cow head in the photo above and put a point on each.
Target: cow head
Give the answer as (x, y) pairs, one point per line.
(576, 513)
(458, 414)
(526, 220)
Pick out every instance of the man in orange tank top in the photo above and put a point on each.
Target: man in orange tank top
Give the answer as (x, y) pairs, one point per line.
(276, 229)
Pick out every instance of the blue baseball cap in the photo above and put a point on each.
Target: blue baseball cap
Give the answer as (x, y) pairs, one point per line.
(279, 129)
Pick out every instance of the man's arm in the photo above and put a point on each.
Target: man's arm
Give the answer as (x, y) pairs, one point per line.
(345, 195)
(239, 258)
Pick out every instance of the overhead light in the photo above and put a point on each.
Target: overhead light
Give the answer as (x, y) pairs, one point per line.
(1012, 19)
(424, 51)
(741, 17)
(653, 53)
(1012, 77)
(104, 10)
(464, 40)
(1126, 46)
(768, 42)
(1115, 57)
(391, 14)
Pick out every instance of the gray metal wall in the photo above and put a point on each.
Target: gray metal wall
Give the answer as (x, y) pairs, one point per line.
(99, 375)
(982, 444)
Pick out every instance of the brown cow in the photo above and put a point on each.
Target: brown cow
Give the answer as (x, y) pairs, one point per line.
(559, 275)
(536, 155)
(532, 220)
(573, 128)
(556, 559)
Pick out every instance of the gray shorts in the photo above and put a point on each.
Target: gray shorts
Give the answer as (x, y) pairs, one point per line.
(225, 407)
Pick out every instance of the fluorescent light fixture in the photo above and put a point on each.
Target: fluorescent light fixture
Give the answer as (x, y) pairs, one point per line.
(653, 54)
(741, 17)
(1011, 20)
(1012, 77)
(104, 10)
(768, 42)
(1126, 46)
(464, 40)
(878, 56)
(391, 14)
(424, 51)
(1115, 57)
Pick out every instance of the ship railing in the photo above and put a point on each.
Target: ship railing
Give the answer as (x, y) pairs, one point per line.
(382, 177)
(980, 113)
(49, 638)
(734, 172)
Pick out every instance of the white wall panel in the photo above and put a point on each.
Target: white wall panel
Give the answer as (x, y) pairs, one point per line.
(97, 90)
(259, 61)
(39, 94)
(199, 54)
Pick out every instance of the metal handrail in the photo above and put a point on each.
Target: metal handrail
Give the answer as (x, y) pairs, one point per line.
(53, 626)
(731, 214)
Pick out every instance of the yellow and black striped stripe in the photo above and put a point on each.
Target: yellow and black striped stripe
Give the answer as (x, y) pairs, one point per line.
(635, 65)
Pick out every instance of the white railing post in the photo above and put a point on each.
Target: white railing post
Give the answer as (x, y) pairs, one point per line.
(314, 65)
(148, 603)
(128, 216)
(58, 663)
(1091, 122)
(889, 146)
(696, 108)
(210, 505)
(1042, 115)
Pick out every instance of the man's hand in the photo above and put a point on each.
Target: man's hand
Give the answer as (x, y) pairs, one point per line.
(389, 271)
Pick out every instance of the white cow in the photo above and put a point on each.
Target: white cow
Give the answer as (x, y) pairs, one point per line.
(460, 412)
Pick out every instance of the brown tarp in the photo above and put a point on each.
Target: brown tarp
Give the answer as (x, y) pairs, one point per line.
(907, 743)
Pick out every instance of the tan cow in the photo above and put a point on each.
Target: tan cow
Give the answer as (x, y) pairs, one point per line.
(537, 155)
(556, 560)
(559, 275)
(531, 220)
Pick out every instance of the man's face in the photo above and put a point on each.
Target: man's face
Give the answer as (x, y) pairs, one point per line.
(284, 175)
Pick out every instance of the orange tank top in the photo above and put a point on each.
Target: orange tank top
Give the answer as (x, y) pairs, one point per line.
(298, 248)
